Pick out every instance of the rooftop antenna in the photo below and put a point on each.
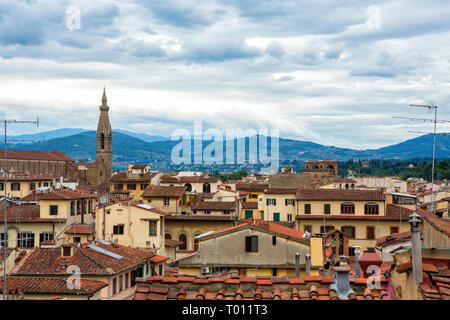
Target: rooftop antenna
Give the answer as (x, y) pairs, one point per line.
(435, 122)
(5, 242)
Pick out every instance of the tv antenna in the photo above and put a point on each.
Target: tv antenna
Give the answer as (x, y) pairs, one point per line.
(435, 121)
(6, 122)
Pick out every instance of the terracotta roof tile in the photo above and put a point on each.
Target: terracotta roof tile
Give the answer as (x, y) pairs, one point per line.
(45, 285)
(342, 195)
(164, 191)
(80, 229)
(215, 205)
(49, 261)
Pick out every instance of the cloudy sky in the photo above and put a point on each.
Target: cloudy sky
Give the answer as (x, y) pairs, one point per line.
(331, 72)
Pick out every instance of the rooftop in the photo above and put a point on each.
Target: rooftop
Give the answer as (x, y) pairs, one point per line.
(249, 288)
(340, 195)
(164, 191)
(48, 261)
(45, 285)
(24, 213)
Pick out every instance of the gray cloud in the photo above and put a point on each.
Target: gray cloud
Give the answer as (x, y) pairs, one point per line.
(312, 69)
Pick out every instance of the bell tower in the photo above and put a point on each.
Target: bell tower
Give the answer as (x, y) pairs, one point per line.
(104, 143)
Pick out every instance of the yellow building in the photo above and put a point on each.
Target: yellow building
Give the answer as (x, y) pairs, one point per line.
(27, 229)
(134, 182)
(193, 184)
(166, 198)
(21, 185)
(254, 248)
(361, 214)
(278, 204)
(131, 224)
(184, 228)
(42, 218)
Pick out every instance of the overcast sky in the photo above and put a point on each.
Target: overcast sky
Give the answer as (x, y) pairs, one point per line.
(331, 72)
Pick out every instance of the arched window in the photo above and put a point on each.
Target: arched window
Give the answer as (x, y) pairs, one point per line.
(90, 205)
(353, 186)
(207, 188)
(102, 141)
(371, 208)
(168, 236)
(346, 186)
(196, 243)
(331, 168)
(78, 207)
(183, 245)
(72, 208)
(347, 208)
(189, 187)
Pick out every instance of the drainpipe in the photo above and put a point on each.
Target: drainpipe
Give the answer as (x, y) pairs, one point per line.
(416, 249)
(308, 264)
(297, 264)
(358, 267)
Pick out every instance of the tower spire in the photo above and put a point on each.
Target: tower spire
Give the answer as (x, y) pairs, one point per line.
(104, 100)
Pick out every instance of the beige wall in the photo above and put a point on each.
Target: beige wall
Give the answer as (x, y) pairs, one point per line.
(25, 187)
(136, 225)
(64, 210)
(36, 228)
(191, 228)
(382, 228)
(279, 207)
(229, 250)
(196, 187)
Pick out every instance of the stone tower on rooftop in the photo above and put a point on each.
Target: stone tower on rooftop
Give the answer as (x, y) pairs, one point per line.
(104, 143)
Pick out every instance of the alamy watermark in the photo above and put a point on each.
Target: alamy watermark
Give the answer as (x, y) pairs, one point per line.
(373, 22)
(74, 280)
(213, 153)
(73, 17)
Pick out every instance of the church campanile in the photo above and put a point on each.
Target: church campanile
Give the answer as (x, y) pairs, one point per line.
(104, 143)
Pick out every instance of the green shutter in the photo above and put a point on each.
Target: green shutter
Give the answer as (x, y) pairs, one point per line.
(248, 214)
(276, 216)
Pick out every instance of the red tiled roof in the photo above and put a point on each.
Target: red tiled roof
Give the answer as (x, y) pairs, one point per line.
(393, 237)
(45, 285)
(171, 243)
(215, 205)
(191, 179)
(258, 187)
(157, 259)
(48, 261)
(340, 195)
(30, 177)
(201, 217)
(26, 213)
(244, 288)
(249, 205)
(65, 194)
(440, 224)
(142, 177)
(164, 191)
(55, 155)
(280, 191)
(80, 229)
(261, 225)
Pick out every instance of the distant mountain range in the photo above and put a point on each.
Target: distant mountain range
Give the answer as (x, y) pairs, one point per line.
(80, 144)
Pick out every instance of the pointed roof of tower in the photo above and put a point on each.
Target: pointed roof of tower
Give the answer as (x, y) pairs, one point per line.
(104, 100)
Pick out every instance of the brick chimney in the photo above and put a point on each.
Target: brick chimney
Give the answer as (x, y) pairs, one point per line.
(416, 250)
(367, 261)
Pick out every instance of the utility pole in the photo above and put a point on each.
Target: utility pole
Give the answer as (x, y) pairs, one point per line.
(435, 122)
(5, 224)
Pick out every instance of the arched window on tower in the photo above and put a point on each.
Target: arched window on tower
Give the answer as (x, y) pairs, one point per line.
(102, 141)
